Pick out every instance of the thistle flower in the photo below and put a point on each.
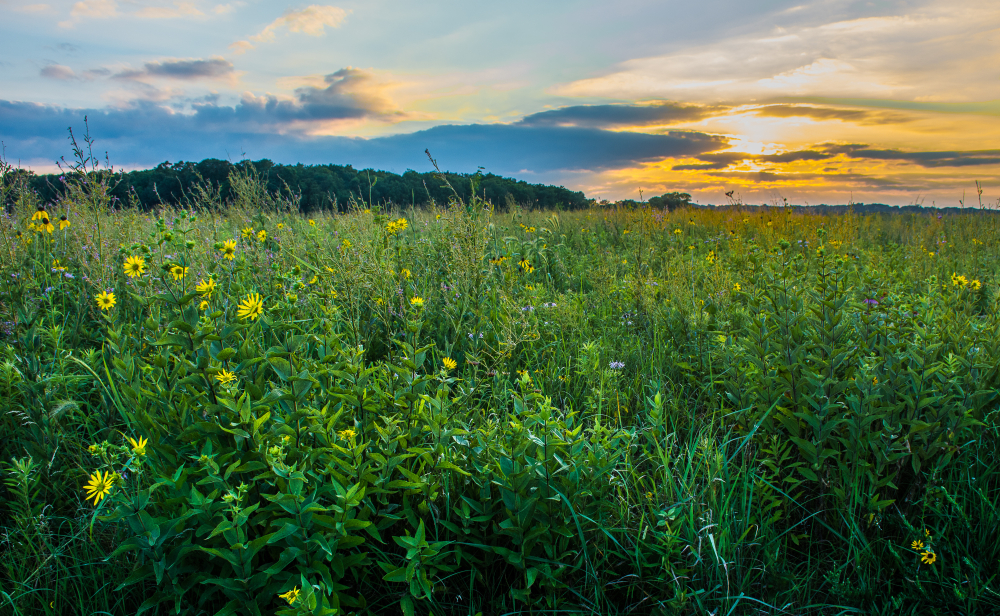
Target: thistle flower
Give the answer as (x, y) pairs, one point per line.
(251, 307)
(99, 486)
(135, 267)
(105, 300)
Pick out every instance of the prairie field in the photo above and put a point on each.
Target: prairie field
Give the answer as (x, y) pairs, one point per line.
(243, 408)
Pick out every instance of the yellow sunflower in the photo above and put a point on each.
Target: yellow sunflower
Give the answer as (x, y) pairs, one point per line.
(99, 486)
(247, 232)
(449, 363)
(206, 288)
(138, 447)
(228, 249)
(106, 300)
(135, 267)
(225, 377)
(416, 301)
(251, 307)
(291, 596)
(178, 272)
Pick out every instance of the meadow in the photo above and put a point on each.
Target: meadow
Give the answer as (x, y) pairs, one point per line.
(240, 408)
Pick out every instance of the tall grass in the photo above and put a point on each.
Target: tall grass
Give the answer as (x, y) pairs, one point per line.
(703, 411)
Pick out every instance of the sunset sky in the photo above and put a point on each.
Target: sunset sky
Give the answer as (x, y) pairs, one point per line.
(819, 101)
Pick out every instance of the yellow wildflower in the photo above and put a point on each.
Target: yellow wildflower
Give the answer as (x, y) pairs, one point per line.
(251, 307)
(99, 485)
(225, 377)
(228, 249)
(449, 363)
(292, 595)
(206, 288)
(247, 232)
(262, 235)
(135, 266)
(138, 447)
(179, 271)
(416, 301)
(106, 300)
(928, 557)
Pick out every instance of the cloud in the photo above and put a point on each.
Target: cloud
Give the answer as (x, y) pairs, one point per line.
(215, 68)
(312, 20)
(147, 133)
(828, 151)
(179, 9)
(857, 116)
(95, 9)
(968, 158)
(58, 71)
(65, 73)
(608, 116)
(918, 53)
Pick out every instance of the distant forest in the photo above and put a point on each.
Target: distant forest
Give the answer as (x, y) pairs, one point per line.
(320, 187)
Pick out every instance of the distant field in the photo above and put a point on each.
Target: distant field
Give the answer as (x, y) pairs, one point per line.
(240, 409)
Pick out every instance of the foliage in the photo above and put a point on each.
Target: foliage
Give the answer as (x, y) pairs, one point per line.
(457, 410)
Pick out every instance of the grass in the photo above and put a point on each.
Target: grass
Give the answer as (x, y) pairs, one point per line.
(459, 411)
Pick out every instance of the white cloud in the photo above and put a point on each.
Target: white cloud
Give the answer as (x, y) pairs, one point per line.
(95, 9)
(312, 20)
(179, 9)
(944, 49)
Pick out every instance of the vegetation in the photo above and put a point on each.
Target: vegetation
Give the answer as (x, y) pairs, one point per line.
(312, 188)
(235, 408)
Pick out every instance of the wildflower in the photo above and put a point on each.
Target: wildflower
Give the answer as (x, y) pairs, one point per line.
(203, 306)
(99, 485)
(206, 288)
(228, 249)
(677, 231)
(262, 235)
(526, 265)
(39, 215)
(312, 223)
(927, 533)
(975, 285)
(106, 300)
(251, 307)
(405, 273)
(416, 301)
(57, 266)
(280, 226)
(346, 244)
(927, 557)
(449, 363)
(314, 279)
(178, 272)
(138, 447)
(874, 380)
(737, 287)
(46, 226)
(225, 377)
(247, 232)
(347, 434)
(292, 595)
(711, 257)
(616, 365)
(917, 545)
(135, 267)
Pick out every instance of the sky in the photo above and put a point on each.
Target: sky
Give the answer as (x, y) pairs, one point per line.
(825, 101)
